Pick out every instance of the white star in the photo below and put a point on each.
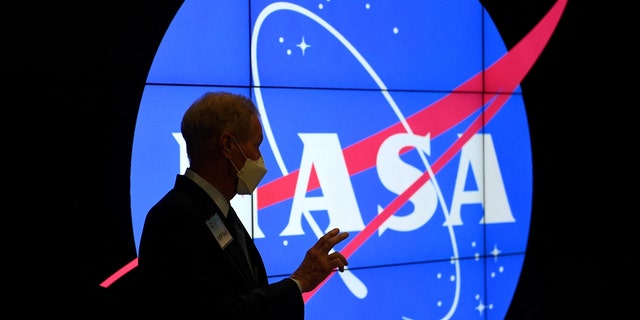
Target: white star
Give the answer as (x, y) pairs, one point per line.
(480, 307)
(303, 45)
(495, 252)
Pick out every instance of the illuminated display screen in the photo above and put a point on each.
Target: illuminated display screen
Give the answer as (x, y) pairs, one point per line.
(402, 123)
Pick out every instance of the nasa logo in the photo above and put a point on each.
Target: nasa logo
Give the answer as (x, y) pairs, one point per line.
(380, 119)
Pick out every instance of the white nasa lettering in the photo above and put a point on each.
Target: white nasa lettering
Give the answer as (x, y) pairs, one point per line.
(184, 159)
(496, 207)
(396, 175)
(322, 151)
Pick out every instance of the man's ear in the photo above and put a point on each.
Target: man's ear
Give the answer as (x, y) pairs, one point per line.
(226, 143)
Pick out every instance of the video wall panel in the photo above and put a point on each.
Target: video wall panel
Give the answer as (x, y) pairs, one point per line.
(402, 123)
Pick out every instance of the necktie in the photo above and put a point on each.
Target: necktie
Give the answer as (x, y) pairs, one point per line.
(238, 232)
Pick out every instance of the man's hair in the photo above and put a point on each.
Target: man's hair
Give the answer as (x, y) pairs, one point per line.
(213, 113)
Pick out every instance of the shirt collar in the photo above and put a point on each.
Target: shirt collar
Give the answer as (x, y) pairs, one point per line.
(215, 195)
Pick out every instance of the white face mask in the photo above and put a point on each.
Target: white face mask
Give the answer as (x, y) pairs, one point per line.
(250, 175)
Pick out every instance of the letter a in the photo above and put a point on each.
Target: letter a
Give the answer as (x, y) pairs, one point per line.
(322, 152)
(481, 157)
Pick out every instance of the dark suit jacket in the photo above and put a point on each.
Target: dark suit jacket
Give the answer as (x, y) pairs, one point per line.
(184, 271)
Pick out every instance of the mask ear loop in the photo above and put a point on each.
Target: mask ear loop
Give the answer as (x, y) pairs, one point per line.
(239, 147)
(234, 166)
(242, 152)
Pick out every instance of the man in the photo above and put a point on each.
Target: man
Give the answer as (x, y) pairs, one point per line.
(191, 260)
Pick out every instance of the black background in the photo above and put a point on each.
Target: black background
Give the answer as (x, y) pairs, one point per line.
(74, 75)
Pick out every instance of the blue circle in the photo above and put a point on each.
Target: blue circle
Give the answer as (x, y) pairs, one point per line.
(349, 73)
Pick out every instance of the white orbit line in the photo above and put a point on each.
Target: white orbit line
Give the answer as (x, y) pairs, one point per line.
(256, 78)
(452, 236)
(269, 133)
(355, 285)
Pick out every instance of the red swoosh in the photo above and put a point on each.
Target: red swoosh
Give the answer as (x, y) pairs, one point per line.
(503, 76)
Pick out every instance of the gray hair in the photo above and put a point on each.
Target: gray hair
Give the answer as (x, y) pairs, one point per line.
(213, 113)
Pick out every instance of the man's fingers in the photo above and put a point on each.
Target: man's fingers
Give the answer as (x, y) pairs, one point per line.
(338, 260)
(329, 235)
(321, 260)
(331, 238)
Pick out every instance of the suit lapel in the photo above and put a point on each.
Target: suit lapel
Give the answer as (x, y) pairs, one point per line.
(233, 252)
(239, 259)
